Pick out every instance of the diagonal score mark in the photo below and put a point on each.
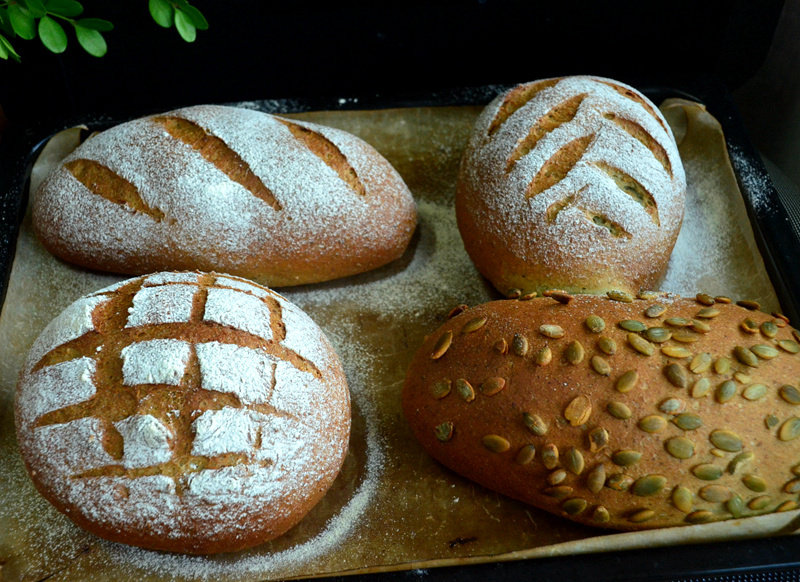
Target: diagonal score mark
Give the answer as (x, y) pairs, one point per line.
(217, 152)
(103, 181)
(517, 98)
(614, 228)
(558, 166)
(629, 94)
(327, 151)
(632, 188)
(560, 114)
(640, 133)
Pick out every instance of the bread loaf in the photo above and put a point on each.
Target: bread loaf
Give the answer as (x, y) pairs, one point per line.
(227, 189)
(572, 183)
(188, 412)
(649, 413)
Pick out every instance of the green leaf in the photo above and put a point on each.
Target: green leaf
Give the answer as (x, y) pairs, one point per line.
(36, 7)
(52, 34)
(22, 22)
(7, 50)
(68, 8)
(91, 41)
(185, 27)
(197, 18)
(162, 12)
(95, 24)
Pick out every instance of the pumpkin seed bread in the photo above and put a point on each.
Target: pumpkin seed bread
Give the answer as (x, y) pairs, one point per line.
(572, 183)
(645, 412)
(187, 412)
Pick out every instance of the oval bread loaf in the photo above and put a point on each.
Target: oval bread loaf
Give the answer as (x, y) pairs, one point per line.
(572, 183)
(188, 412)
(228, 189)
(625, 415)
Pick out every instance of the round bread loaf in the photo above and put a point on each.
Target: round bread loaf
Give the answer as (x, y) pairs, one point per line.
(572, 183)
(188, 412)
(226, 189)
(626, 415)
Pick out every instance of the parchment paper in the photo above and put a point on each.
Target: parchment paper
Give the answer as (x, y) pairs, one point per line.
(392, 507)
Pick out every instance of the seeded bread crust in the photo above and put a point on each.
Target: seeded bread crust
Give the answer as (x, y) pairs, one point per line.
(572, 183)
(627, 415)
(185, 412)
(228, 189)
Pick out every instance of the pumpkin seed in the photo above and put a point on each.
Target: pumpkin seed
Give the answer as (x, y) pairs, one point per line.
(600, 366)
(739, 460)
(771, 421)
(682, 499)
(727, 440)
(514, 293)
(790, 346)
(688, 421)
(559, 491)
(722, 299)
(632, 325)
(788, 505)
(440, 389)
(495, 443)
(596, 479)
(675, 352)
(519, 344)
(680, 447)
(442, 345)
(551, 331)
(764, 352)
(574, 506)
(557, 477)
(672, 406)
(598, 439)
(619, 410)
(458, 309)
(769, 329)
(492, 386)
(655, 310)
(627, 381)
(444, 431)
(754, 483)
(575, 352)
(796, 470)
(607, 345)
(657, 335)
(678, 322)
(722, 365)
(735, 506)
(701, 363)
(749, 326)
(528, 296)
(474, 324)
(626, 458)
(573, 461)
(754, 392)
(550, 456)
(619, 482)
(705, 299)
(745, 356)
(792, 486)
(715, 493)
(558, 295)
(501, 346)
(759, 503)
(621, 296)
(699, 326)
(790, 429)
(543, 356)
(652, 424)
(649, 295)
(725, 391)
(525, 455)
(578, 410)
(684, 336)
(601, 515)
(700, 516)
(465, 390)
(641, 345)
(595, 323)
(701, 388)
(790, 394)
(747, 304)
(641, 515)
(707, 472)
(708, 313)
(534, 423)
(649, 485)
(742, 377)
(676, 374)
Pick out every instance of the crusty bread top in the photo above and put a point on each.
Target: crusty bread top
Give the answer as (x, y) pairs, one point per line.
(575, 171)
(187, 406)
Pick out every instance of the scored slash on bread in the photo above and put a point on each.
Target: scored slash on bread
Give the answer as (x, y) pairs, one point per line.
(627, 413)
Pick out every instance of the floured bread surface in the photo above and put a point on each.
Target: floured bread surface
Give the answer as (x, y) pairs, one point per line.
(572, 183)
(188, 412)
(226, 189)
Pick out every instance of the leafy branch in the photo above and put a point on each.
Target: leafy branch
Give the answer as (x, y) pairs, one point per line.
(47, 19)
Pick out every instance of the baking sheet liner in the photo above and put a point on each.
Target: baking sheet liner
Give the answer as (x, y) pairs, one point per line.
(392, 507)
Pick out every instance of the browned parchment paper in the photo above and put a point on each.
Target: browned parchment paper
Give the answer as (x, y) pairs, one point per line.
(392, 507)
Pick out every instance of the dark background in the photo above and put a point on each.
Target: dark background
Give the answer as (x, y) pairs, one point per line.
(264, 50)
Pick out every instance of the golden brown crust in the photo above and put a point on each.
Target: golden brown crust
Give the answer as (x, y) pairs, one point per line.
(573, 183)
(226, 189)
(524, 398)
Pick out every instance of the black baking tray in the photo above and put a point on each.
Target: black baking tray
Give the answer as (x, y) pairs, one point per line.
(774, 559)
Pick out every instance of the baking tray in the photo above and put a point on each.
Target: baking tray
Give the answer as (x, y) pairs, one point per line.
(775, 558)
